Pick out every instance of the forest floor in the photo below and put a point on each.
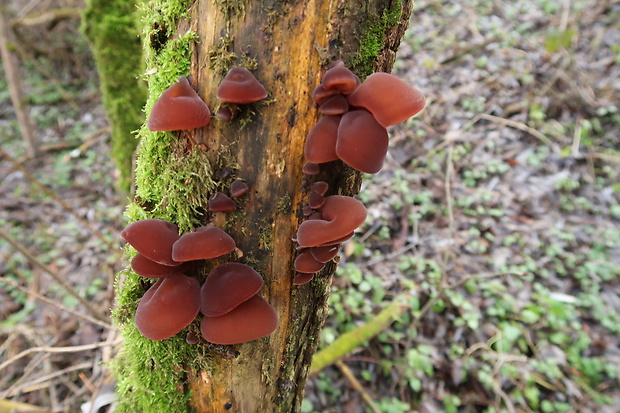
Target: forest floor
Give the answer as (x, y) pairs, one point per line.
(495, 222)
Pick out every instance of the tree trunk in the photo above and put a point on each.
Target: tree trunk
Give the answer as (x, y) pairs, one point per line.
(289, 45)
(111, 27)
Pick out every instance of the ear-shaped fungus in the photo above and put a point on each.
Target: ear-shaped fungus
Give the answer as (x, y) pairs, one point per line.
(388, 98)
(203, 244)
(168, 307)
(238, 188)
(178, 108)
(320, 187)
(335, 105)
(306, 263)
(153, 238)
(151, 269)
(362, 142)
(311, 168)
(324, 253)
(227, 286)
(320, 145)
(240, 86)
(302, 278)
(341, 79)
(221, 203)
(339, 217)
(253, 319)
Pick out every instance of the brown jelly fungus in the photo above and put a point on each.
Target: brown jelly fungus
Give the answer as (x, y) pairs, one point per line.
(153, 238)
(240, 86)
(227, 286)
(203, 244)
(178, 108)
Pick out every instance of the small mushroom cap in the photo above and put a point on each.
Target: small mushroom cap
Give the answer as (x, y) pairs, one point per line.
(203, 244)
(153, 238)
(335, 105)
(221, 203)
(320, 94)
(240, 86)
(151, 269)
(178, 108)
(388, 98)
(227, 286)
(316, 200)
(302, 278)
(305, 262)
(310, 168)
(340, 216)
(341, 79)
(362, 142)
(238, 188)
(320, 187)
(168, 307)
(320, 145)
(324, 253)
(253, 319)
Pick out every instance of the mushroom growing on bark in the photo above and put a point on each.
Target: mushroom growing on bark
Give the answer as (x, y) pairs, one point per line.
(252, 319)
(151, 269)
(227, 286)
(220, 202)
(168, 307)
(240, 86)
(362, 142)
(203, 244)
(178, 108)
(153, 238)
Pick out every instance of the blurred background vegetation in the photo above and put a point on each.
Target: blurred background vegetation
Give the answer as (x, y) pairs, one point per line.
(493, 229)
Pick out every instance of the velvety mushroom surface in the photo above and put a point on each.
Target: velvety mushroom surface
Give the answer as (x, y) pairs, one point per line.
(253, 319)
(168, 307)
(240, 86)
(178, 108)
(227, 286)
(153, 238)
(202, 244)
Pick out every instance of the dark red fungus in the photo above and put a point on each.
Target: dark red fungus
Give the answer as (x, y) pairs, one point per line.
(253, 319)
(192, 338)
(151, 269)
(227, 286)
(362, 142)
(224, 113)
(153, 238)
(310, 168)
(203, 244)
(240, 86)
(335, 105)
(320, 187)
(307, 210)
(220, 202)
(305, 262)
(320, 145)
(320, 94)
(302, 278)
(178, 108)
(340, 216)
(168, 307)
(388, 98)
(238, 188)
(324, 253)
(341, 79)
(315, 200)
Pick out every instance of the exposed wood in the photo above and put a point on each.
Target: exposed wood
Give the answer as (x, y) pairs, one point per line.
(10, 63)
(293, 43)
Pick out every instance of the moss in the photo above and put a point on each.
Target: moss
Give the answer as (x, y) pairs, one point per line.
(265, 235)
(111, 27)
(373, 40)
(285, 205)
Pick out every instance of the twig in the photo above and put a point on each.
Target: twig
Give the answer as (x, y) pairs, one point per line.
(514, 124)
(57, 304)
(58, 350)
(36, 383)
(348, 374)
(60, 280)
(9, 406)
(53, 194)
(48, 17)
(11, 71)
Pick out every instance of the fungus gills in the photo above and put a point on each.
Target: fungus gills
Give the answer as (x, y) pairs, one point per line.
(178, 108)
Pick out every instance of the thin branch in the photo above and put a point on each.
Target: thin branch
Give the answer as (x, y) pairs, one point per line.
(60, 280)
(346, 372)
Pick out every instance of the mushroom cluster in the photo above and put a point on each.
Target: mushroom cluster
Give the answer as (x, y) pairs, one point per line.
(332, 220)
(356, 115)
(180, 108)
(233, 313)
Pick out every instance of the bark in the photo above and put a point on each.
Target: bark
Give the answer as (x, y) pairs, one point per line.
(289, 45)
